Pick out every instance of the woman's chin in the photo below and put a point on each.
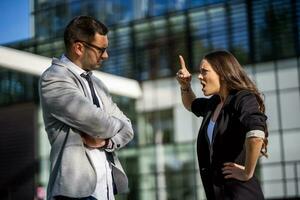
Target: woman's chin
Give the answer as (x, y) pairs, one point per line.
(205, 92)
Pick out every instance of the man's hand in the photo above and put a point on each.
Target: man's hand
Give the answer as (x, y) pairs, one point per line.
(93, 142)
(183, 76)
(233, 170)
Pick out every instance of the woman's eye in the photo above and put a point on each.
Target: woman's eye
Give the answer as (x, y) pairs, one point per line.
(203, 71)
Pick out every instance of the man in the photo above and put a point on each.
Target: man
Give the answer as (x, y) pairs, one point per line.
(84, 126)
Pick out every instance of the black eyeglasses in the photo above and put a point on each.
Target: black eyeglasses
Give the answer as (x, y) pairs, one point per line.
(99, 49)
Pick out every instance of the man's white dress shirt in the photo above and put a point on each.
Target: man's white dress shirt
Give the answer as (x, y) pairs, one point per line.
(104, 186)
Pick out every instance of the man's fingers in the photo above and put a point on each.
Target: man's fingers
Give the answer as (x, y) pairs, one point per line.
(182, 63)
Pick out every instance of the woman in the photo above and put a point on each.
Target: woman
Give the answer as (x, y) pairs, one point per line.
(233, 133)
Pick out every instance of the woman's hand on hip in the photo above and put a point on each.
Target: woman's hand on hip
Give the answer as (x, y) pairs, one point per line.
(233, 170)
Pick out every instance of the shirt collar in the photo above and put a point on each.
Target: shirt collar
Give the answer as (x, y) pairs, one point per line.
(75, 68)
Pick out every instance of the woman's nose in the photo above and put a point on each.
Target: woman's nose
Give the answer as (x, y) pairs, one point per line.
(200, 76)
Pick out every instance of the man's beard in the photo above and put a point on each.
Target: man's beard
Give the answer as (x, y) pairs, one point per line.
(91, 67)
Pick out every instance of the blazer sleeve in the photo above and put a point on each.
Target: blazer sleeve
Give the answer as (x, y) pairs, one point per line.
(249, 114)
(125, 135)
(61, 99)
(200, 106)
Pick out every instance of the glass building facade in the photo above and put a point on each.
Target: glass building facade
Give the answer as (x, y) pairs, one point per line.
(146, 37)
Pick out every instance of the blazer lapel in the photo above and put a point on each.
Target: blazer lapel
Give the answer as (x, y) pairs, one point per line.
(83, 86)
(220, 119)
(204, 125)
(79, 79)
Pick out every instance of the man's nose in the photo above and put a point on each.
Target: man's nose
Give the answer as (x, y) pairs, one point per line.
(104, 56)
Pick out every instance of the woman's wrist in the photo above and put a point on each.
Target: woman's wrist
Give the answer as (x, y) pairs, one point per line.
(248, 174)
(185, 88)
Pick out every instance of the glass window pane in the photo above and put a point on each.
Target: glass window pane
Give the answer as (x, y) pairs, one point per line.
(265, 76)
(288, 74)
(291, 145)
(218, 29)
(290, 107)
(199, 34)
(239, 32)
(271, 105)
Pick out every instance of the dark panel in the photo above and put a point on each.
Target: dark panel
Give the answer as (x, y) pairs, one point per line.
(17, 147)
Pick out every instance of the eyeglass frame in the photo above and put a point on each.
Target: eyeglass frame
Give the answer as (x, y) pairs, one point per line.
(100, 50)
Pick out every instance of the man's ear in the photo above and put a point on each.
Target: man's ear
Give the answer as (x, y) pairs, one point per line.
(78, 48)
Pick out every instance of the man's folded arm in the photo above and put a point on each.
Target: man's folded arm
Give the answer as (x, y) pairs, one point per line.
(62, 99)
(126, 134)
(123, 137)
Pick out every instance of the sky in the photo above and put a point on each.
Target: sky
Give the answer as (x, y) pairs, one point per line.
(14, 20)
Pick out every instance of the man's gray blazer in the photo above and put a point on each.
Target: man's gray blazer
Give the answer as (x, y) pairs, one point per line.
(68, 110)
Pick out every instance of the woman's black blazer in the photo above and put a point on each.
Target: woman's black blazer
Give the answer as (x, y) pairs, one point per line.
(239, 115)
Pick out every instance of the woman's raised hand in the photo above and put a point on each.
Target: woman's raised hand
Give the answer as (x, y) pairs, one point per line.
(183, 76)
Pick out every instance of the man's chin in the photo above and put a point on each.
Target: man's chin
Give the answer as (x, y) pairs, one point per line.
(96, 67)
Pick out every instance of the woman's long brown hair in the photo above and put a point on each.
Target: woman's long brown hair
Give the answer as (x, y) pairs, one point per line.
(235, 78)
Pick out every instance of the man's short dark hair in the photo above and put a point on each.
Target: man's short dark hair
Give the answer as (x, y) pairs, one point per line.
(83, 28)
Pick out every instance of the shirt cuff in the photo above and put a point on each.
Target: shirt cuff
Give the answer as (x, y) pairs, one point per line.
(255, 133)
(109, 147)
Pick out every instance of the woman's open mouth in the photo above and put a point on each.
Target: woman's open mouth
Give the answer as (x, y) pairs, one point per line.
(203, 85)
